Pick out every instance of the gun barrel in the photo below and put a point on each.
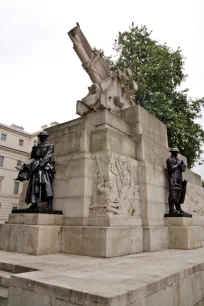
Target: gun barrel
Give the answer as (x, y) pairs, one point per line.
(77, 36)
(94, 65)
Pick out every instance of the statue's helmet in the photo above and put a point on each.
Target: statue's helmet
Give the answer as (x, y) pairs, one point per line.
(174, 150)
(43, 133)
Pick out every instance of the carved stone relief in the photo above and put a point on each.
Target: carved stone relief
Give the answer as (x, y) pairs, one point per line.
(194, 202)
(115, 187)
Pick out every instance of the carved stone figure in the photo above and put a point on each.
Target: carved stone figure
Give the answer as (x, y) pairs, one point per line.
(113, 91)
(117, 194)
(177, 186)
(39, 170)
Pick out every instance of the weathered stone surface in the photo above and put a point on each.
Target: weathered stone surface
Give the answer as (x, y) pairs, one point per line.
(102, 241)
(110, 90)
(73, 207)
(150, 151)
(105, 117)
(115, 221)
(113, 165)
(178, 221)
(145, 123)
(76, 221)
(74, 166)
(108, 139)
(115, 187)
(155, 238)
(185, 237)
(194, 202)
(171, 277)
(31, 239)
(36, 219)
(73, 187)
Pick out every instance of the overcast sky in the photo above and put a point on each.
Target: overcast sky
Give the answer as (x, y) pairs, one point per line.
(41, 77)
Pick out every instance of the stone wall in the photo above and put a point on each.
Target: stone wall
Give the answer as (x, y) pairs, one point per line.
(111, 171)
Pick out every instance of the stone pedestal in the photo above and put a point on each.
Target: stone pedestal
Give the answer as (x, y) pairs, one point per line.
(183, 235)
(111, 185)
(109, 173)
(34, 234)
(102, 241)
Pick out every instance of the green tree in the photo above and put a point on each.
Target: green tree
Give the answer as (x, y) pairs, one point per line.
(159, 71)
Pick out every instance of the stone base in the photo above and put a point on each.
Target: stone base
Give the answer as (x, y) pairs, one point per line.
(156, 238)
(37, 211)
(167, 278)
(185, 237)
(31, 239)
(35, 219)
(102, 241)
(175, 221)
(116, 221)
(178, 215)
(34, 234)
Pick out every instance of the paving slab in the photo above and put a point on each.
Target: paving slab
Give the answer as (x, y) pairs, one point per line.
(123, 280)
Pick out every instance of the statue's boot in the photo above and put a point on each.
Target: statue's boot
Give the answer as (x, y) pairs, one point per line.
(49, 206)
(33, 206)
(173, 211)
(180, 210)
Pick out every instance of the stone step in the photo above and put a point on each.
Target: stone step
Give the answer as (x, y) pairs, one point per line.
(201, 303)
(5, 278)
(3, 296)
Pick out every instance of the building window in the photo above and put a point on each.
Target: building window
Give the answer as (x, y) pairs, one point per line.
(3, 137)
(19, 162)
(21, 141)
(1, 179)
(1, 161)
(16, 187)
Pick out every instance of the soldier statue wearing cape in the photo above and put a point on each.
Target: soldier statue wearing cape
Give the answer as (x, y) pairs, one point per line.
(177, 187)
(39, 170)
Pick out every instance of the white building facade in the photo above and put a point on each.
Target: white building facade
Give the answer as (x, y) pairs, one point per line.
(15, 147)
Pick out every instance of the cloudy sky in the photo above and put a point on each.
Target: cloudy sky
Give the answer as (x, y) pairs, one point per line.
(41, 77)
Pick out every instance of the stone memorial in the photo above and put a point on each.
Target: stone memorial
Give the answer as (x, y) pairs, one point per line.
(112, 186)
(110, 181)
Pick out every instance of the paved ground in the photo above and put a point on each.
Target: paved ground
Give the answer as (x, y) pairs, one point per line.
(109, 277)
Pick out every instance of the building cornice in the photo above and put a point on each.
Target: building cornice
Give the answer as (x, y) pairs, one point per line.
(10, 196)
(11, 129)
(14, 150)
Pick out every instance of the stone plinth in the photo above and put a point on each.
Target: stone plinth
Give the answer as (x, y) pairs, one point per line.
(102, 241)
(35, 219)
(167, 278)
(185, 237)
(178, 221)
(34, 234)
(182, 234)
(110, 173)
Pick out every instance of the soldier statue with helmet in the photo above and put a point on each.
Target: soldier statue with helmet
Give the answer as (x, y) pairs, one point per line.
(177, 186)
(40, 171)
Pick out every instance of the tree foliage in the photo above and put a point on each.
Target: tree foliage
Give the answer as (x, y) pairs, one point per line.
(159, 71)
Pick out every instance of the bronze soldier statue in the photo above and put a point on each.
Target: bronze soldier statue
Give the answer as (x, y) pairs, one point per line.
(177, 187)
(40, 171)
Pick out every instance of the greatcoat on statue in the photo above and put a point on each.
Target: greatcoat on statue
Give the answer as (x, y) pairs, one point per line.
(39, 170)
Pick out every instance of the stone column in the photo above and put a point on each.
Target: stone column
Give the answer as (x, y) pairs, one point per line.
(96, 186)
(150, 137)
